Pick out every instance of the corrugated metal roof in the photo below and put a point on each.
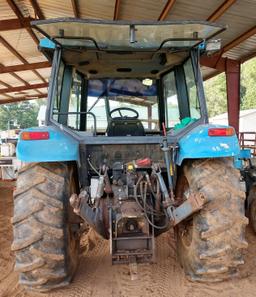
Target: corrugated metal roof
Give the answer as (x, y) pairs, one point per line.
(102, 9)
(196, 9)
(5, 11)
(140, 10)
(18, 44)
(239, 19)
(243, 50)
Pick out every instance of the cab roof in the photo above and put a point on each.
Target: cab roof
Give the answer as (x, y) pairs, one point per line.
(105, 49)
(126, 35)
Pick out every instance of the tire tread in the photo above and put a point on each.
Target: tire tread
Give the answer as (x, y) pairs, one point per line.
(40, 241)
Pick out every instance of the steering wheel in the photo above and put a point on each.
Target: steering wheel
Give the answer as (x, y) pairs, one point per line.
(121, 115)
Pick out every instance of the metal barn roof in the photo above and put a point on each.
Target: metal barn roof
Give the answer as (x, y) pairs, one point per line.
(24, 71)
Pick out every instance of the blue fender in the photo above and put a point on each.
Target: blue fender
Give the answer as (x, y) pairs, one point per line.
(59, 147)
(62, 147)
(198, 144)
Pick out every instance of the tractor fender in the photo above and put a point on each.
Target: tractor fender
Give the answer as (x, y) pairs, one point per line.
(59, 147)
(197, 144)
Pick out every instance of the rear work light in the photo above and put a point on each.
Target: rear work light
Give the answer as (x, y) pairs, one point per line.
(34, 135)
(221, 132)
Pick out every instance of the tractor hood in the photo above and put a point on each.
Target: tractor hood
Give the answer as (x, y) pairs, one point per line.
(124, 35)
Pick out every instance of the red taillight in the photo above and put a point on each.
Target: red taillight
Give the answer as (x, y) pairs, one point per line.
(34, 135)
(143, 162)
(221, 132)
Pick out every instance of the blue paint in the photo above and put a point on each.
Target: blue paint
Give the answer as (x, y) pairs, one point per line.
(198, 144)
(47, 43)
(202, 46)
(238, 163)
(245, 154)
(59, 147)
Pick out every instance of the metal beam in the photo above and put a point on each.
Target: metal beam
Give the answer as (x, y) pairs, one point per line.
(75, 9)
(39, 75)
(24, 67)
(39, 92)
(233, 92)
(12, 50)
(239, 39)
(211, 75)
(19, 56)
(15, 24)
(215, 62)
(16, 76)
(18, 99)
(117, 9)
(166, 10)
(20, 16)
(8, 96)
(219, 63)
(33, 35)
(4, 84)
(15, 9)
(23, 88)
(37, 9)
(221, 10)
(20, 79)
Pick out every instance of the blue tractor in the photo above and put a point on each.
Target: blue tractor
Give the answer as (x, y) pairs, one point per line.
(127, 148)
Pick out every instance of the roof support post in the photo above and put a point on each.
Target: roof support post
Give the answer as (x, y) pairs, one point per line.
(233, 70)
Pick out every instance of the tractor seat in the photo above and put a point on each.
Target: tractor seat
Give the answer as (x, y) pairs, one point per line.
(125, 127)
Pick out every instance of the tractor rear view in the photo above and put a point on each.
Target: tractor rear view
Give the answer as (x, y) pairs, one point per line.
(127, 148)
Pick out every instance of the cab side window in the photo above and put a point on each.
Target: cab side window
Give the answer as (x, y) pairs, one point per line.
(172, 114)
(57, 97)
(193, 100)
(68, 97)
(74, 107)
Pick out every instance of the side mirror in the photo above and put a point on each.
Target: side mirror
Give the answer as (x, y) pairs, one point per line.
(213, 46)
(210, 47)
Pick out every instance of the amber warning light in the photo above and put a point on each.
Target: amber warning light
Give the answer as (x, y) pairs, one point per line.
(35, 135)
(221, 131)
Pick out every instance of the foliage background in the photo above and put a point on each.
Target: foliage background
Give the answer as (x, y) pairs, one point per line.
(215, 90)
(20, 115)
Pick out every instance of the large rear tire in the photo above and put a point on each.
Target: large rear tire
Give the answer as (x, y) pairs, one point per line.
(252, 207)
(46, 242)
(210, 243)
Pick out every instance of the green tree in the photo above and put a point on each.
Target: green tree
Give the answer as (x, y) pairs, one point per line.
(215, 90)
(248, 84)
(215, 93)
(18, 115)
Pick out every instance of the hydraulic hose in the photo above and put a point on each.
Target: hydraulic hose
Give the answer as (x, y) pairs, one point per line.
(145, 205)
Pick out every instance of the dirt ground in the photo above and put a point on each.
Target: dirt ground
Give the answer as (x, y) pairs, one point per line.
(96, 277)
